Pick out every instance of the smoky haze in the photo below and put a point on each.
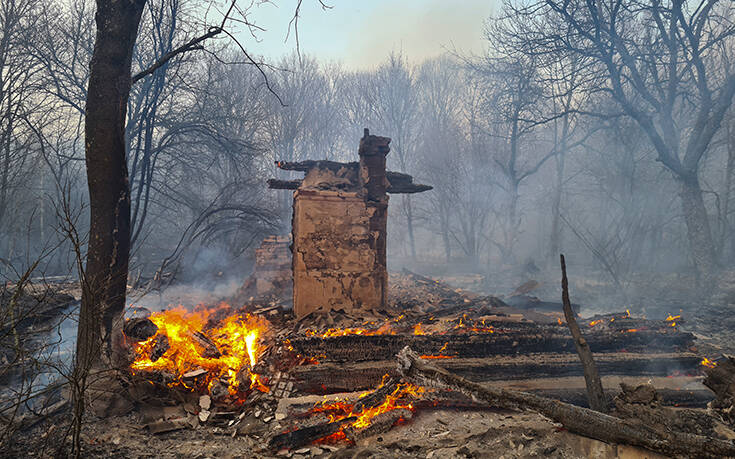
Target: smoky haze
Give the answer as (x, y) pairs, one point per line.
(536, 143)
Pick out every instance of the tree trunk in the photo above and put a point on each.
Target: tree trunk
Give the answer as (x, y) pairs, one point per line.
(698, 227)
(555, 240)
(99, 339)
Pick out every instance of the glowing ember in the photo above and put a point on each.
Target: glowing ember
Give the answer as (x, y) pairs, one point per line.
(338, 410)
(708, 363)
(559, 320)
(595, 322)
(417, 330)
(236, 338)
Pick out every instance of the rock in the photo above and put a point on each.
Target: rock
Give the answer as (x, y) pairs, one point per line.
(204, 415)
(205, 402)
(139, 329)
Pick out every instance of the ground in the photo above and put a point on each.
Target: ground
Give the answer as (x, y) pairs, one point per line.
(431, 434)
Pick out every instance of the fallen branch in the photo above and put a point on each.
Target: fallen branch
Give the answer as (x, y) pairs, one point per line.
(579, 420)
(595, 393)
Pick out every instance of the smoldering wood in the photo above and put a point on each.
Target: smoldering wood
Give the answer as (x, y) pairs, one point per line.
(377, 397)
(209, 349)
(306, 435)
(587, 422)
(595, 393)
(379, 424)
(160, 346)
(515, 339)
(326, 378)
(721, 379)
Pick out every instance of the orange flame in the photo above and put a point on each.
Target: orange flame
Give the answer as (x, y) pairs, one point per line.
(595, 322)
(338, 410)
(237, 339)
(417, 330)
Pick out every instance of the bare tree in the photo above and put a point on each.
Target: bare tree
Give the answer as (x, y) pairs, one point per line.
(659, 62)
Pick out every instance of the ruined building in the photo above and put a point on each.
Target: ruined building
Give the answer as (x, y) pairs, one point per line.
(340, 214)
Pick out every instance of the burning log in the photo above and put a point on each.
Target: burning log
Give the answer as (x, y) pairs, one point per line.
(160, 346)
(591, 377)
(209, 349)
(306, 435)
(376, 397)
(583, 421)
(379, 424)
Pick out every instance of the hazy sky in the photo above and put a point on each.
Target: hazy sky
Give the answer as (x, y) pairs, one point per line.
(361, 33)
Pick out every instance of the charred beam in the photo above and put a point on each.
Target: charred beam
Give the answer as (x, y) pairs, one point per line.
(591, 376)
(276, 184)
(583, 421)
(327, 378)
(515, 340)
(306, 435)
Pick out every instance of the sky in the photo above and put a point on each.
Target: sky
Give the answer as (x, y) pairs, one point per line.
(362, 33)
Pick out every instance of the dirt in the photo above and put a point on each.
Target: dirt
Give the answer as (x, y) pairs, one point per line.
(430, 434)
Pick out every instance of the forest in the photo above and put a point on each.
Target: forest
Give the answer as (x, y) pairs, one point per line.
(137, 136)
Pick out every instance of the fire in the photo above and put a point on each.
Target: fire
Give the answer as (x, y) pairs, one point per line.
(673, 319)
(338, 410)
(417, 330)
(235, 344)
(440, 355)
(595, 322)
(708, 363)
(559, 320)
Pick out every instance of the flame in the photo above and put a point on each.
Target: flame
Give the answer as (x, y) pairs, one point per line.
(417, 330)
(595, 322)
(708, 363)
(670, 318)
(237, 338)
(340, 409)
(559, 320)
(440, 355)
(631, 330)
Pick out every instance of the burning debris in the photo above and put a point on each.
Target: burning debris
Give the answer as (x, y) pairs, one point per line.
(191, 351)
(331, 377)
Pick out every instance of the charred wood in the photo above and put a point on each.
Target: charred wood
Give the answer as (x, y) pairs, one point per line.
(379, 424)
(591, 377)
(209, 349)
(160, 346)
(306, 435)
(276, 184)
(582, 421)
(538, 339)
(326, 378)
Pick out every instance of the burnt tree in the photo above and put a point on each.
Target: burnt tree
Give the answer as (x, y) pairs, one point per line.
(99, 339)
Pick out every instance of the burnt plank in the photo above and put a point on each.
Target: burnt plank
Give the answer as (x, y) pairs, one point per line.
(326, 378)
(360, 348)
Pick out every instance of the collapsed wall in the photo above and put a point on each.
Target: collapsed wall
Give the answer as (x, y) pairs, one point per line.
(339, 229)
(272, 272)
